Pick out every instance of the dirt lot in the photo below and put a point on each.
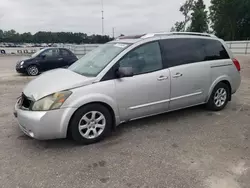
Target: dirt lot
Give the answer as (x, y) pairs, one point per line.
(191, 148)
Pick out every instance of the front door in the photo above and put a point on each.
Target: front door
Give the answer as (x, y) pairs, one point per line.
(148, 91)
(50, 59)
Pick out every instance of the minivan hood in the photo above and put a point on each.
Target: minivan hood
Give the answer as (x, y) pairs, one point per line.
(55, 81)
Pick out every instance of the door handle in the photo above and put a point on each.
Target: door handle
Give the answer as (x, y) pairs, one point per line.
(177, 75)
(60, 59)
(161, 78)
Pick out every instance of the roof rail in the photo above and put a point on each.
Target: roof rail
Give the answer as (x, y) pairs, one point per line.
(130, 37)
(177, 33)
(194, 33)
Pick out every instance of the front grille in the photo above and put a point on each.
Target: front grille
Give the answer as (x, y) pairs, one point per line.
(18, 66)
(25, 102)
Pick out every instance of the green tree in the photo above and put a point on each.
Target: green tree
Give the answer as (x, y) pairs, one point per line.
(52, 37)
(26, 37)
(178, 26)
(1, 34)
(199, 18)
(230, 19)
(185, 9)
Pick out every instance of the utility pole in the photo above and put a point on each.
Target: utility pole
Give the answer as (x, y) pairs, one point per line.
(102, 19)
(113, 32)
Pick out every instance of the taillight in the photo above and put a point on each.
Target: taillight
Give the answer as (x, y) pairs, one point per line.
(237, 64)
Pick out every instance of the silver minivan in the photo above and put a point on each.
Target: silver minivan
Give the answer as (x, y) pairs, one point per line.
(129, 78)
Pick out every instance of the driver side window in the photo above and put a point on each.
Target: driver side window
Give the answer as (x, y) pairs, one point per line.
(144, 59)
(51, 52)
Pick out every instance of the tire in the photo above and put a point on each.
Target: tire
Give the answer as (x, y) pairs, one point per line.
(32, 70)
(220, 93)
(82, 124)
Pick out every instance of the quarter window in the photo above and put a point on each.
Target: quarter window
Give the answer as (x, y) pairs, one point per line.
(144, 59)
(64, 52)
(215, 50)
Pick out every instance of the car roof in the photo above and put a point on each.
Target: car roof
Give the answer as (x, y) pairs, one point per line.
(136, 38)
(55, 48)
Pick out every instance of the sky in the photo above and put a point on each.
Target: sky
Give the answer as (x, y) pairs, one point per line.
(125, 16)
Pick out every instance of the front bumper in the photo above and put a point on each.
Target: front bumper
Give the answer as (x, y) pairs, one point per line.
(45, 125)
(20, 69)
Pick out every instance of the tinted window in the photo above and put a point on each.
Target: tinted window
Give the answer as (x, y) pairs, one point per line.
(144, 59)
(51, 52)
(65, 52)
(182, 51)
(215, 50)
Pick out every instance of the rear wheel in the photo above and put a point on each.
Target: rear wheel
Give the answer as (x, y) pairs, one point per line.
(90, 124)
(219, 97)
(32, 70)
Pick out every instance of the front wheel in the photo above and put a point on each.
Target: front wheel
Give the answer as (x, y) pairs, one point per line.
(219, 97)
(90, 124)
(32, 70)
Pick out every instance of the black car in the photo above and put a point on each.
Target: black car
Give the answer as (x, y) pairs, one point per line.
(46, 59)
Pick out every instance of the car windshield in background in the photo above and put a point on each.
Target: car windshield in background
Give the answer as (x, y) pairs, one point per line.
(37, 53)
(95, 61)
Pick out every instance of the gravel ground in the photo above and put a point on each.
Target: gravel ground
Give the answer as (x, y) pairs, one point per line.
(191, 148)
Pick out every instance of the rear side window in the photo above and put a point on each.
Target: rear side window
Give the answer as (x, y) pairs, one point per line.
(64, 52)
(182, 51)
(214, 50)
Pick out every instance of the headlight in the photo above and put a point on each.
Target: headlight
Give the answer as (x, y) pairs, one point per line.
(51, 102)
(22, 63)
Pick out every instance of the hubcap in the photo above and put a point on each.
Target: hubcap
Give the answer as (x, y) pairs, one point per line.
(220, 97)
(33, 71)
(92, 124)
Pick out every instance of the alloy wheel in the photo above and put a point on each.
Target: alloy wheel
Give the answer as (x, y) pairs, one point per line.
(220, 97)
(92, 124)
(33, 71)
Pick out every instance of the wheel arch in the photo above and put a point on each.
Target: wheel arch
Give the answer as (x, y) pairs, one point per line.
(115, 120)
(32, 64)
(223, 79)
(230, 88)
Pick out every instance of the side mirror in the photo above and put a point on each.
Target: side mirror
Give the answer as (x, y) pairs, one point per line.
(43, 56)
(125, 72)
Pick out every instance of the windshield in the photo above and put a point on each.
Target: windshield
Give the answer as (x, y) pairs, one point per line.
(37, 53)
(95, 61)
